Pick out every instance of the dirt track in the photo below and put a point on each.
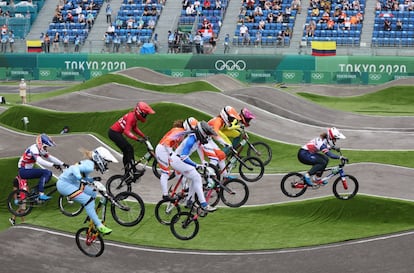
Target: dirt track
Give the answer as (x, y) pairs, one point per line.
(277, 120)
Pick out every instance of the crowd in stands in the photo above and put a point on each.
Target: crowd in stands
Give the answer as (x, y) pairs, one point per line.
(259, 23)
(266, 22)
(341, 21)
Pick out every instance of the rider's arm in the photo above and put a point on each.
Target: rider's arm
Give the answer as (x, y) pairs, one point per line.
(130, 124)
(54, 160)
(43, 162)
(327, 151)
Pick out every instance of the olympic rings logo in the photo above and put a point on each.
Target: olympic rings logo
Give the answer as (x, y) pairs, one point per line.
(289, 76)
(177, 74)
(230, 65)
(233, 74)
(44, 73)
(317, 76)
(375, 77)
(95, 74)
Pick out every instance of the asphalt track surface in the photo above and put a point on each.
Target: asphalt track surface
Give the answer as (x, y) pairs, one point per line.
(280, 116)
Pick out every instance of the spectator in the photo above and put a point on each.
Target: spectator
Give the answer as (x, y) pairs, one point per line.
(387, 25)
(56, 40)
(258, 39)
(227, 44)
(262, 24)
(270, 17)
(354, 20)
(399, 25)
(171, 39)
(190, 11)
(65, 42)
(107, 41)
(90, 19)
(330, 24)
(4, 42)
(258, 11)
(280, 38)
(130, 22)
(110, 30)
(198, 42)
(296, 5)
(206, 5)
(347, 24)
(81, 18)
(186, 4)
(250, 4)
(77, 43)
(315, 12)
(69, 17)
(108, 12)
(246, 39)
(46, 42)
(218, 5)
(140, 23)
(151, 23)
(11, 40)
(243, 30)
(22, 90)
(117, 43)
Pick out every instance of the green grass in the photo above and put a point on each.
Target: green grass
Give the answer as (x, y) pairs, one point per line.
(393, 101)
(119, 79)
(284, 155)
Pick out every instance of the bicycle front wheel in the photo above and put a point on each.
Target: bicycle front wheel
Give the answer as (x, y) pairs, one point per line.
(90, 242)
(131, 210)
(117, 184)
(293, 185)
(184, 226)
(165, 211)
(19, 203)
(234, 193)
(69, 207)
(345, 188)
(260, 150)
(251, 169)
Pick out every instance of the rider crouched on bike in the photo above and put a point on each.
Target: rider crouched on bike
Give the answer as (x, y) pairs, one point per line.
(317, 153)
(182, 163)
(74, 182)
(165, 148)
(123, 126)
(228, 118)
(38, 154)
(233, 132)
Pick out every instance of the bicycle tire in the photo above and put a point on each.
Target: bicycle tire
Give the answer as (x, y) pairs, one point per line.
(69, 207)
(239, 193)
(157, 171)
(25, 205)
(264, 152)
(256, 166)
(183, 226)
(165, 211)
(293, 184)
(117, 184)
(212, 196)
(91, 245)
(134, 215)
(345, 194)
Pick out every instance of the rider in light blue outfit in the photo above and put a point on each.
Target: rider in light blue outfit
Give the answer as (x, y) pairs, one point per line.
(75, 182)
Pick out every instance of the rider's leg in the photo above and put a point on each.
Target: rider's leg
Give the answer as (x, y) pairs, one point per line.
(44, 176)
(163, 156)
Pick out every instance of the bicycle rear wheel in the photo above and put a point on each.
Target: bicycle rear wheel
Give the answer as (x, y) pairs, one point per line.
(251, 169)
(293, 185)
(183, 226)
(117, 184)
(234, 193)
(69, 207)
(89, 242)
(345, 189)
(131, 210)
(23, 205)
(261, 150)
(165, 211)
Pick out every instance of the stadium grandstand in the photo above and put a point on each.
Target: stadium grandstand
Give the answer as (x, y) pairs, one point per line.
(359, 27)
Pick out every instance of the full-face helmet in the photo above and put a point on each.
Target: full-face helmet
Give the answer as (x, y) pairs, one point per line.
(142, 110)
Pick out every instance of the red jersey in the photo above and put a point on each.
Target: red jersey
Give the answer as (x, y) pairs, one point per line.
(125, 124)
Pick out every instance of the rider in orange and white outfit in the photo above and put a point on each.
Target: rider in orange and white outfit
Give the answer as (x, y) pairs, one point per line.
(123, 126)
(228, 119)
(166, 147)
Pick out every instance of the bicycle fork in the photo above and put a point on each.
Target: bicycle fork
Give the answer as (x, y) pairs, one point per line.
(343, 178)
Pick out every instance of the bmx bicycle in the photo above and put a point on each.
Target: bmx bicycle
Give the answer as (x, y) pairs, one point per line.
(127, 209)
(344, 187)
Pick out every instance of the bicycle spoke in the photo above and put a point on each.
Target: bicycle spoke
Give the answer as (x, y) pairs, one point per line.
(90, 243)
(131, 210)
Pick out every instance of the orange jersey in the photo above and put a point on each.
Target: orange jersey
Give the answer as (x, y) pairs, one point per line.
(173, 137)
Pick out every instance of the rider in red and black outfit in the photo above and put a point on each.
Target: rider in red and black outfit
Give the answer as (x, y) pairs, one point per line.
(123, 127)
